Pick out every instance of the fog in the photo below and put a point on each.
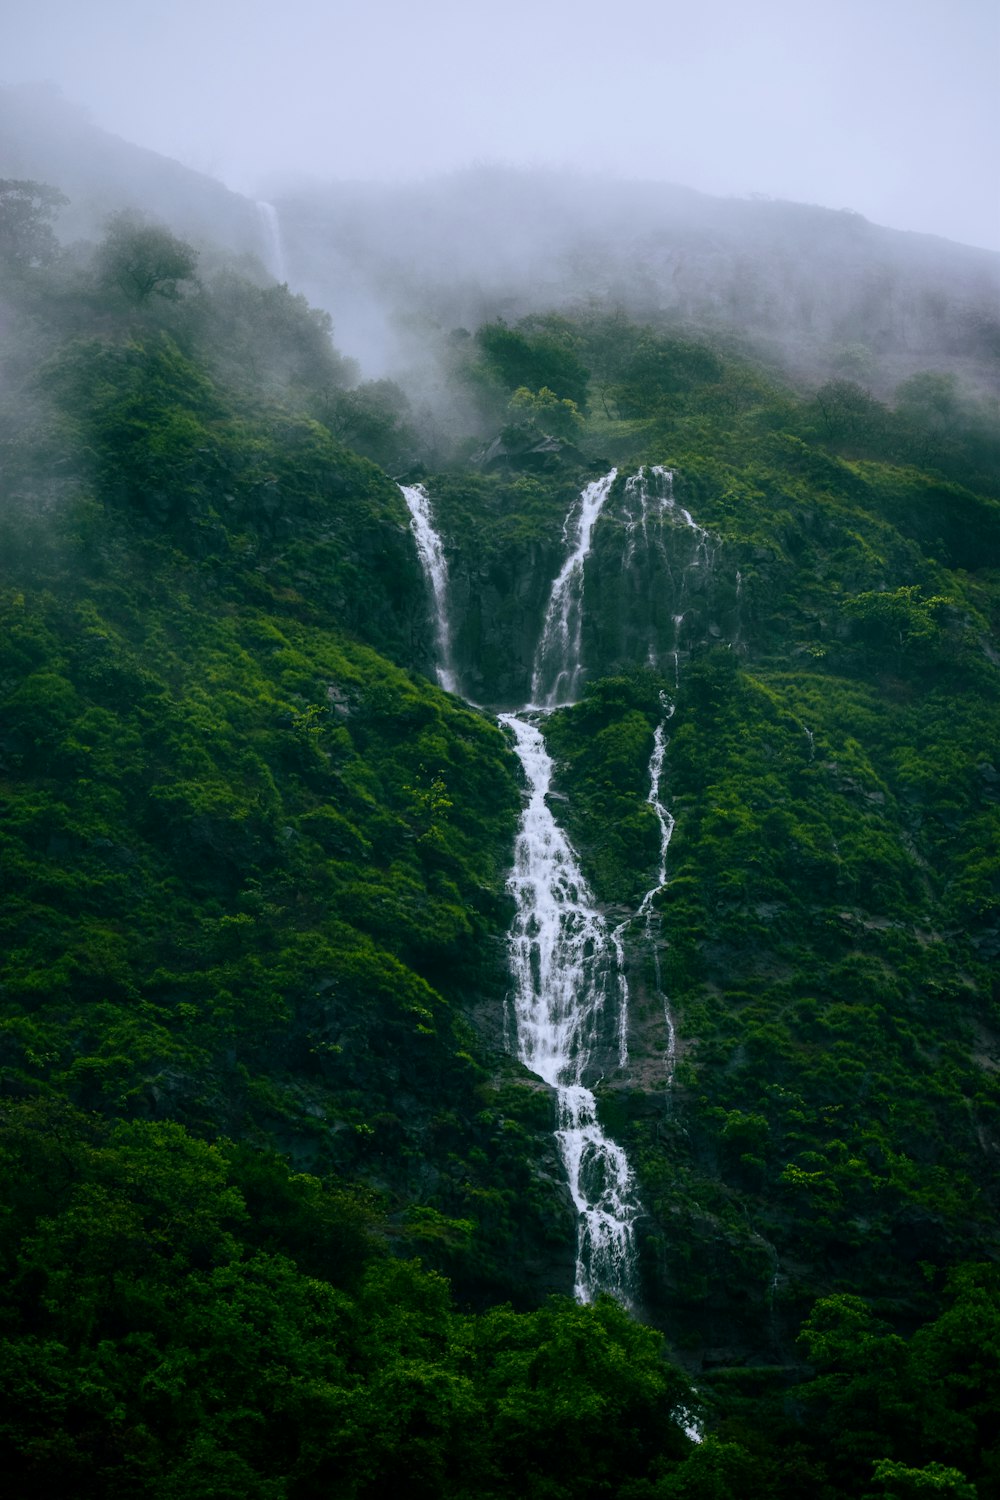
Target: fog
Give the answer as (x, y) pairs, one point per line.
(885, 107)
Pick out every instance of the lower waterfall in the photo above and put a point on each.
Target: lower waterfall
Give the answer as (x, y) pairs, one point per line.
(568, 987)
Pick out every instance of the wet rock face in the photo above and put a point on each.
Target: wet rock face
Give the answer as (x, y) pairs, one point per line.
(656, 585)
(497, 612)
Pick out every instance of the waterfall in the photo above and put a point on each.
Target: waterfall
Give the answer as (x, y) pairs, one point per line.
(648, 497)
(645, 912)
(567, 980)
(274, 254)
(558, 667)
(570, 993)
(655, 487)
(432, 560)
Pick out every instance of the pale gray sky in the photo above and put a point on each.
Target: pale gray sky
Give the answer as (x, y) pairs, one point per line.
(888, 107)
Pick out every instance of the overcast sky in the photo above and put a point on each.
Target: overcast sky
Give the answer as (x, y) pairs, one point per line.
(888, 107)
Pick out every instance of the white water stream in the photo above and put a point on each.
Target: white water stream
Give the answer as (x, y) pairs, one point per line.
(569, 978)
(665, 818)
(558, 666)
(570, 992)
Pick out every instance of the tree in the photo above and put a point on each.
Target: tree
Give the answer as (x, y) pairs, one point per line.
(850, 417)
(372, 419)
(545, 408)
(898, 618)
(662, 370)
(930, 399)
(934, 1481)
(26, 234)
(516, 359)
(142, 258)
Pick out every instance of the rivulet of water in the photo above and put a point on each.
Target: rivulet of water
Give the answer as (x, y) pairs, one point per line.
(646, 911)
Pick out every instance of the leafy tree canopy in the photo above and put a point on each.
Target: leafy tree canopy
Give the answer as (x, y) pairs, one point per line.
(142, 259)
(26, 213)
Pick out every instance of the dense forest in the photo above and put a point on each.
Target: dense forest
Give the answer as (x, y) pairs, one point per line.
(283, 1213)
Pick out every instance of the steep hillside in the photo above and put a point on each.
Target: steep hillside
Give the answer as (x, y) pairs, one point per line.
(816, 632)
(282, 1208)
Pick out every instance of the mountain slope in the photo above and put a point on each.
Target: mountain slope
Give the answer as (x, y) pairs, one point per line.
(255, 1055)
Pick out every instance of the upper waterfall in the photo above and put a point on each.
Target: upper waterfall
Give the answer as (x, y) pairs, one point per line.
(558, 665)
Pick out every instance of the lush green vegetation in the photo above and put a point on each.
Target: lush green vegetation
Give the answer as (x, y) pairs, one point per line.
(829, 926)
(196, 1319)
(280, 1215)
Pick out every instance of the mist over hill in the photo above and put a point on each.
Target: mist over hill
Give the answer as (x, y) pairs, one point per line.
(818, 293)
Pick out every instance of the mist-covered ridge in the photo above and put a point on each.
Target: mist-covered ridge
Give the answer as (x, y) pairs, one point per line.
(818, 292)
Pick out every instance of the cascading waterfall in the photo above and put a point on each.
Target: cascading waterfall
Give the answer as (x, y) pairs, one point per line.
(649, 510)
(570, 992)
(568, 969)
(274, 252)
(635, 508)
(568, 984)
(569, 978)
(557, 666)
(653, 490)
(432, 559)
(705, 552)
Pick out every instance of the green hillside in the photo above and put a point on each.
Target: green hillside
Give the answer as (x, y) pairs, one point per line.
(283, 1215)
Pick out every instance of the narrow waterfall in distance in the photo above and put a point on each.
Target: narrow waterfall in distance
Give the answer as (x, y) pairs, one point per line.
(665, 819)
(274, 250)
